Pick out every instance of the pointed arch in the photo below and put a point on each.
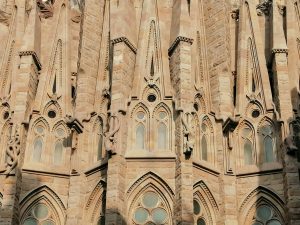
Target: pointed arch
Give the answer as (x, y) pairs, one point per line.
(98, 138)
(205, 198)
(95, 202)
(141, 125)
(162, 127)
(43, 195)
(261, 196)
(266, 132)
(201, 104)
(206, 143)
(53, 106)
(150, 183)
(41, 121)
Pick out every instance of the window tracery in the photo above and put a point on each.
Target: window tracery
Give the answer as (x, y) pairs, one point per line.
(267, 142)
(150, 209)
(58, 156)
(140, 135)
(265, 215)
(38, 144)
(162, 130)
(199, 213)
(206, 142)
(247, 144)
(40, 214)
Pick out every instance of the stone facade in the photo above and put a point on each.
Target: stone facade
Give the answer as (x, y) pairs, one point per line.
(149, 112)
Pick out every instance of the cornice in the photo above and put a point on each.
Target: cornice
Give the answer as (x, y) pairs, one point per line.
(177, 41)
(35, 57)
(126, 41)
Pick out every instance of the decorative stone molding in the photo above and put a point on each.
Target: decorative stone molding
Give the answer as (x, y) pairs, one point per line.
(177, 41)
(263, 8)
(280, 50)
(188, 133)
(126, 41)
(35, 58)
(281, 7)
(110, 139)
(235, 14)
(13, 151)
(46, 8)
(4, 17)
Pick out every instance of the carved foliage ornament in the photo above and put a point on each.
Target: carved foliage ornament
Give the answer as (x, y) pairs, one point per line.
(46, 8)
(13, 151)
(263, 8)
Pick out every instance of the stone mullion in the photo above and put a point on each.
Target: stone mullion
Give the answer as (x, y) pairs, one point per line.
(180, 63)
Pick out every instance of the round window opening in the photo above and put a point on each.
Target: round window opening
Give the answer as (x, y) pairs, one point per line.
(255, 113)
(151, 98)
(52, 114)
(5, 115)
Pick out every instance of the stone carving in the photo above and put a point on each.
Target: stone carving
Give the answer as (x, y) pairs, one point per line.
(235, 14)
(4, 17)
(263, 8)
(110, 136)
(13, 151)
(75, 10)
(281, 7)
(46, 8)
(188, 133)
(290, 144)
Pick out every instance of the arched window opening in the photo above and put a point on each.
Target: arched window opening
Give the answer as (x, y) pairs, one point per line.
(162, 136)
(248, 153)
(204, 148)
(140, 136)
(205, 141)
(37, 150)
(247, 138)
(58, 153)
(266, 136)
(150, 210)
(266, 215)
(40, 214)
(59, 148)
(200, 216)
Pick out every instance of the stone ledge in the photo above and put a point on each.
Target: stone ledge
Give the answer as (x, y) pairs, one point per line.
(47, 172)
(35, 57)
(177, 41)
(150, 156)
(100, 165)
(126, 41)
(205, 166)
(254, 170)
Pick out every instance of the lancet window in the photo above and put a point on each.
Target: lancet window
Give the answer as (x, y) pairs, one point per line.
(59, 147)
(140, 131)
(206, 135)
(38, 144)
(98, 139)
(247, 144)
(267, 142)
(162, 130)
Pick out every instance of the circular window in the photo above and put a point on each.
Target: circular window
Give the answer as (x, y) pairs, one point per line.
(162, 115)
(30, 221)
(256, 223)
(5, 115)
(150, 200)
(255, 113)
(48, 222)
(264, 213)
(60, 132)
(151, 98)
(51, 114)
(201, 222)
(159, 215)
(141, 215)
(274, 222)
(41, 211)
(196, 207)
(39, 130)
(140, 115)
